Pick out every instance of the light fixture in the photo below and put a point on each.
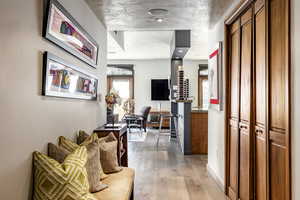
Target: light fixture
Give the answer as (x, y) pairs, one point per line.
(158, 12)
(180, 51)
(160, 20)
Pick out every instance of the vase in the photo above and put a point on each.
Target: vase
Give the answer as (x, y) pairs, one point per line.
(110, 115)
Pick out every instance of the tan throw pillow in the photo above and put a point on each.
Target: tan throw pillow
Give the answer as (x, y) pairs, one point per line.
(108, 154)
(82, 136)
(57, 153)
(93, 165)
(83, 139)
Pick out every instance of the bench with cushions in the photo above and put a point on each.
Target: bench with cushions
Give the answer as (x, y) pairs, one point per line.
(87, 170)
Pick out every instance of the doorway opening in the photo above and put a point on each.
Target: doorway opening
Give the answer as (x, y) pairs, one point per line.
(120, 78)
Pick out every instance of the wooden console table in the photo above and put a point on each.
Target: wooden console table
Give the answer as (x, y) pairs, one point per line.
(121, 134)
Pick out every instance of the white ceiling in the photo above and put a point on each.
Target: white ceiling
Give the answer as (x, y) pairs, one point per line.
(154, 45)
(151, 42)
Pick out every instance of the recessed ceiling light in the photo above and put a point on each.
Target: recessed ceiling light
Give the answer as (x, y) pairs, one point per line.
(180, 51)
(158, 12)
(160, 20)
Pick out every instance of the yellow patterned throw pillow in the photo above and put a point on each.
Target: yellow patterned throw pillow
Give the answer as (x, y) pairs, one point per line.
(66, 181)
(93, 166)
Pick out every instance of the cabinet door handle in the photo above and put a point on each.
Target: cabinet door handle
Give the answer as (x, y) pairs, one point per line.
(243, 127)
(259, 131)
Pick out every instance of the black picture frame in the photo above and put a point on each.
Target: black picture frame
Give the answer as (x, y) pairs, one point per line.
(69, 38)
(80, 84)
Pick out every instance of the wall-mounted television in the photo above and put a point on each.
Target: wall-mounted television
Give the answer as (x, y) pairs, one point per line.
(160, 90)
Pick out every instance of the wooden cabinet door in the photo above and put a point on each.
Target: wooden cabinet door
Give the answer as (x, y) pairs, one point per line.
(233, 130)
(245, 141)
(260, 106)
(279, 133)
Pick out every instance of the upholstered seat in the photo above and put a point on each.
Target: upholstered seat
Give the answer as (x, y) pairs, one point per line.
(120, 186)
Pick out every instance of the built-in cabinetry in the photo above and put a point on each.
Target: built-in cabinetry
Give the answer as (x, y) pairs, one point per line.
(192, 129)
(258, 108)
(199, 131)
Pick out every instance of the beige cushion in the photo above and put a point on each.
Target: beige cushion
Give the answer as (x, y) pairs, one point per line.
(82, 139)
(57, 153)
(108, 154)
(93, 165)
(120, 186)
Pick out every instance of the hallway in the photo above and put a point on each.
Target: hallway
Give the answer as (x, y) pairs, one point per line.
(165, 174)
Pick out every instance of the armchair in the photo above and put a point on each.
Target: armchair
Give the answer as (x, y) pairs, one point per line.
(138, 120)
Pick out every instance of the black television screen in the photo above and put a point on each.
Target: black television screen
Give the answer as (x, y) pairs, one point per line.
(160, 90)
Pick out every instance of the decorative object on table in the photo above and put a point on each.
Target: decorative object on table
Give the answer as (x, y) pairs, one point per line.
(129, 106)
(180, 83)
(215, 77)
(63, 30)
(112, 98)
(61, 79)
(186, 89)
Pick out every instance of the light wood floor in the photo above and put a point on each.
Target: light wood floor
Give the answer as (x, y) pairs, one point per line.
(165, 174)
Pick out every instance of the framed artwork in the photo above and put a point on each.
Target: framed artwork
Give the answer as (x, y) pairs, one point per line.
(61, 79)
(63, 30)
(215, 77)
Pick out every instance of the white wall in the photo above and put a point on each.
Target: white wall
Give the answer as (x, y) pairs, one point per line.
(191, 72)
(216, 118)
(295, 85)
(28, 120)
(145, 70)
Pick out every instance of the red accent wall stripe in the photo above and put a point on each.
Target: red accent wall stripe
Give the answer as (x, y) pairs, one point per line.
(214, 101)
(214, 54)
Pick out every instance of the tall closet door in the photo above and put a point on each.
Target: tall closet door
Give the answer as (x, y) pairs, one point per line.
(245, 141)
(279, 137)
(233, 129)
(260, 103)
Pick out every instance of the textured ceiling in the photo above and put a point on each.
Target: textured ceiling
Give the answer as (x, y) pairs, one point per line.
(183, 14)
(132, 15)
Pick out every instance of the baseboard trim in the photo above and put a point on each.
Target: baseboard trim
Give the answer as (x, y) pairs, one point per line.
(213, 175)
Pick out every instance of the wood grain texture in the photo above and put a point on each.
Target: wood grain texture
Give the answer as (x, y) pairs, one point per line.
(234, 79)
(277, 64)
(260, 181)
(245, 154)
(260, 68)
(233, 130)
(246, 68)
(279, 135)
(233, 161)
(165, 173)
(199, 133)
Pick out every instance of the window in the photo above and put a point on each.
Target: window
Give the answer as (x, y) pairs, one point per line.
(120, 78)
